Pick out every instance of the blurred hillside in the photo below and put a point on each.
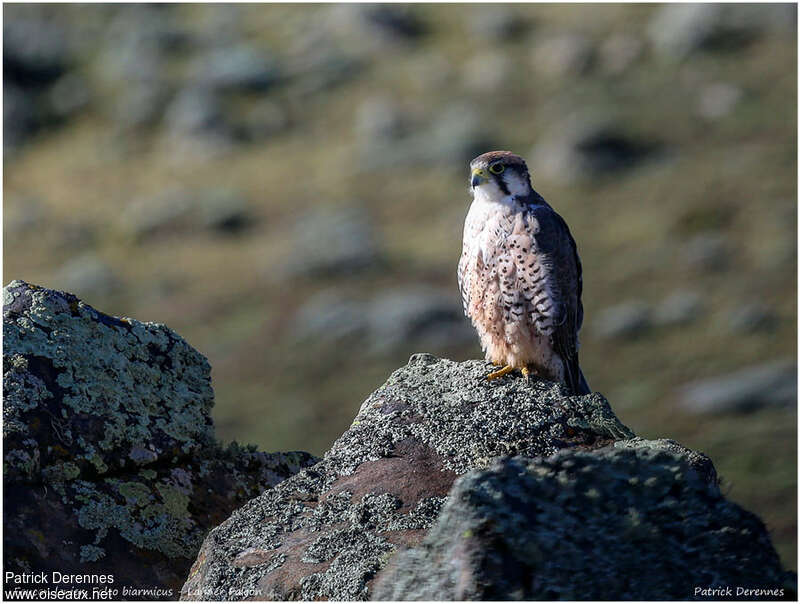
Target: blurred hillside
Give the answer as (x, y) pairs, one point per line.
(285, 186)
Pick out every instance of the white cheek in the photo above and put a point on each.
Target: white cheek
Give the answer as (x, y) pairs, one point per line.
(488, 191)
(516, 185)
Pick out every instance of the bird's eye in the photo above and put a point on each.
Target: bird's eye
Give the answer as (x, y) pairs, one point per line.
(497, 168)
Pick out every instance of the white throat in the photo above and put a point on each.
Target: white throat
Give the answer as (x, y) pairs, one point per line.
(490, 192)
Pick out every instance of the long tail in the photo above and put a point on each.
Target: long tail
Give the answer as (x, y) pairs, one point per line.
(575, 379)
(583, 386)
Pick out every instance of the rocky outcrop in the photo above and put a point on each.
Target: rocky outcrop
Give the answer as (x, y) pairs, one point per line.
(327, 531)
(445, 486)
(449, 487)
(636, 521)
(110, 462)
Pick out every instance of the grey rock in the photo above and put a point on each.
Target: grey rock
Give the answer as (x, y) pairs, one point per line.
(417, 316)
(110, 460)
(39, 90)
(319, 67)
(68, 95)
(454, 136)
(185, 211)
(618, 52)
(773, 384)
(717, 100)
(330, 317)
(137, 43)
(774, 19)
(388, 323)
(751, 317)
(586, 146)
(457, 134)
(678, 30)
(86, 350)
(20, 121)
(143, 27)
(222, 210)
(618, 523)
(699, 462)
(327, 531)
(567, 54)
(332, 241)
(142, 105)
(679, 308)
(126, 62)
(497, 23)
(392, 21)
(149, 216)
(195, 111)
(707, 251)
(223, 25)
(240, 67)
(35, 51)
(379, 119)
(22, 215)
(623, 321)
(89, 275)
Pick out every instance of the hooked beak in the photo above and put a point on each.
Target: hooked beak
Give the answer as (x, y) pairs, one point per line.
(479, 176)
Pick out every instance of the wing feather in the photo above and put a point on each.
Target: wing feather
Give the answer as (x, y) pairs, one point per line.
(559, 254)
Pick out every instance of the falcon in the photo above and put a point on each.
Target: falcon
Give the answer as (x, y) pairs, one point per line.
(520, 275)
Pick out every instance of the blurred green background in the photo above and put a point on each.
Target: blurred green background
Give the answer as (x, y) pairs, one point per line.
(285, 186)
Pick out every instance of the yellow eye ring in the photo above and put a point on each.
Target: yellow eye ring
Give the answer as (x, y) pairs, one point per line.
(497, 168)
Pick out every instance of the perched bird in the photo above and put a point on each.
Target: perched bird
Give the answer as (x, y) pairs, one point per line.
(520, 275)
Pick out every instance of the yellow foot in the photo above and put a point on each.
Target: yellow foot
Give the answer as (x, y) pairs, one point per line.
(500, 372)
(526, 373)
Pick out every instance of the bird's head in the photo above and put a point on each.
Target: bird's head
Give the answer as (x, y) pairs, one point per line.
(499, 174)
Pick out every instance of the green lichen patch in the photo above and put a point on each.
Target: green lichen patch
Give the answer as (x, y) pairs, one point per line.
(60, 473)
(91, 553)
(135, 493)
(97, 386)
(137, 513)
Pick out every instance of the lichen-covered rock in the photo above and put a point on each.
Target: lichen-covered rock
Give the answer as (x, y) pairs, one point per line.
(327, 531)
(635, 521)
(99, 393)
(110, 460)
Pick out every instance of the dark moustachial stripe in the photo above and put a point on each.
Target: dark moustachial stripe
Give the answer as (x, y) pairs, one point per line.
(498, 178)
